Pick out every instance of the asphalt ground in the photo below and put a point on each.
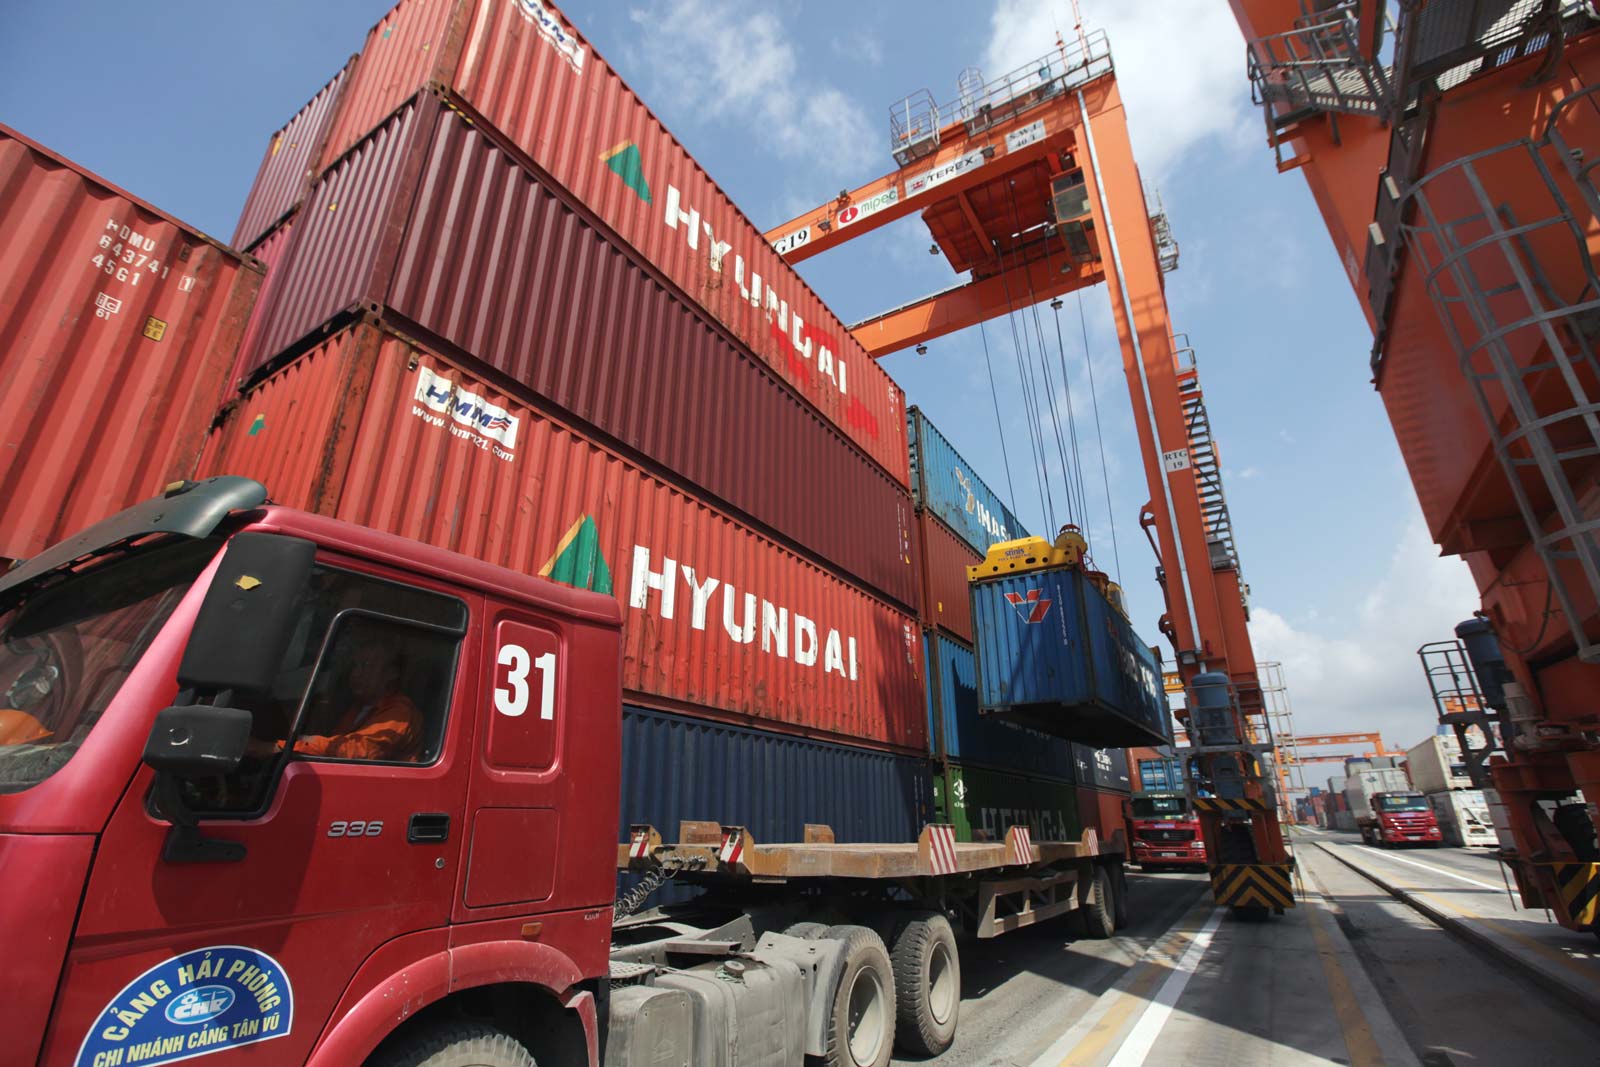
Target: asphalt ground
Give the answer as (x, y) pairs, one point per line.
(1351, 975)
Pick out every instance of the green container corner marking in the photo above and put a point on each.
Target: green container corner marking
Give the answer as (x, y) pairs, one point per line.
(258, 424)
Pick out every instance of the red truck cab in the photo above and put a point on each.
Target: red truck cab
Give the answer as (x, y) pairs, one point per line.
(280, 789)
(1400, 818)
(1165, 831)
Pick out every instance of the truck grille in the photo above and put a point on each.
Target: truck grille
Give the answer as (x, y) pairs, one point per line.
(1167, 835)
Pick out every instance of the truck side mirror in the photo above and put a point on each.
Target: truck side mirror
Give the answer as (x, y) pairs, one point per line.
(193, 741)
(249, 614)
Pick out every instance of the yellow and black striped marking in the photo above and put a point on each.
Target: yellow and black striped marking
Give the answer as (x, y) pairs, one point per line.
(1225, 804)
(1267, 885)
(1579, 886)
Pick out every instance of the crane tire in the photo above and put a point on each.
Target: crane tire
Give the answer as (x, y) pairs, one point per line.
(455, 1044)
(1099, 907)
(861, 1017)
(927, 984)
(806, 931)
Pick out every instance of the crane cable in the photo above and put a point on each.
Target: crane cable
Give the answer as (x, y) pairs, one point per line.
(1073, 473)
(999, 427)
(1105, 476)
(1041, 473)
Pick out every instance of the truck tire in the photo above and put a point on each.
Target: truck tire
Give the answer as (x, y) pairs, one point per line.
(927, 984)
(806, 931)
(1119, 897)
(862, 1017)
(455, 1045)
(1099, 908)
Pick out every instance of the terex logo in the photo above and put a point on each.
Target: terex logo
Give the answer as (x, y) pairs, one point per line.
(1032, 606)
(199, 1004)
(805, 343)
(739, 616)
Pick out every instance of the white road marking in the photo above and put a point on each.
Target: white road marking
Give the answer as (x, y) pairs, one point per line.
(1428, 867)
(1142, 1038)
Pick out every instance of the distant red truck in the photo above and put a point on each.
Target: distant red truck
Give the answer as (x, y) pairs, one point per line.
(1165, 831)
(1400, 818)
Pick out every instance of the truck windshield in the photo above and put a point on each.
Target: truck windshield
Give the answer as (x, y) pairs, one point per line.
(1160, 807)
(1403, 804)
(66, 649)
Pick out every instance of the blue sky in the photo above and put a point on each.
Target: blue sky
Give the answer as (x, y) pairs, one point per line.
(787, 104)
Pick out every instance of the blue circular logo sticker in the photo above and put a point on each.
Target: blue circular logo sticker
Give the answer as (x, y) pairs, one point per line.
(192, 1005)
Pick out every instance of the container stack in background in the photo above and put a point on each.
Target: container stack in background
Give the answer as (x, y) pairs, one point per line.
(118, 326)
(508, 315)
(988, 773)
(1437, 768)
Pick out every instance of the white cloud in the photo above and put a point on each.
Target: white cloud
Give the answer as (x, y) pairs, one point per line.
(740, 67)
(1365, 675)
(1182, 77)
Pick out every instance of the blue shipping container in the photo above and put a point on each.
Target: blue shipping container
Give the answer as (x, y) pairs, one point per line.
(982, 740)
(1054, 654)
(946, 485)
(1160, 776)
(676, 768)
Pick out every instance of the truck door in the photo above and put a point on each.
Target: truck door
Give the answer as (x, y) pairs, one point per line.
(542, 807)
(349, 810)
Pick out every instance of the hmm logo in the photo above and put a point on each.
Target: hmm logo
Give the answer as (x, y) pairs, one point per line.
(198, 1005)
(1031, 606)
(440, 394)
(558, 35)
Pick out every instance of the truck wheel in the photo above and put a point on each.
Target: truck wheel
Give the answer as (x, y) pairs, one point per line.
(455, 1045)
(1119, 898)
(1099, 910)
(927, 984)
(806, 931)
(861, 1019)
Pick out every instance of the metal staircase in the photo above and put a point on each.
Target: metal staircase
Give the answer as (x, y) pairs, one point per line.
(1206, 462)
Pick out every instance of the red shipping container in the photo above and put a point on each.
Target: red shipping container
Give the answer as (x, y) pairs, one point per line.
(522, 67)
(270, 252)
(290, 165)
(944, 559)
(720, 620)
(1103, 811)
(118, 325)
(433, 221)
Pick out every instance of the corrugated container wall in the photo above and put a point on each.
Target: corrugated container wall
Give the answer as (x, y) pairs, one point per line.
(945, 484)
(530, 75)
(431, 219)
(270, 252)
(1103, 768)
(983, 804)
(944, 559)
(290, 164)
(1071, 664)
(677, 768)
(1436, 765)
(118, 325)
(959, 733)
(1104, 811)
(375, 430)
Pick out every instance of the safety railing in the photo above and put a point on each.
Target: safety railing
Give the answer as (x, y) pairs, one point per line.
(1502, 239)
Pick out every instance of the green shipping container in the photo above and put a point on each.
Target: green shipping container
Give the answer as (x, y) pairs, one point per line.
(983, 804)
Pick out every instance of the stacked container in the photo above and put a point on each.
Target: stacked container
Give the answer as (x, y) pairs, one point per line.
(118, 326)
(1436, 767)
(990, 773)
(509, 315)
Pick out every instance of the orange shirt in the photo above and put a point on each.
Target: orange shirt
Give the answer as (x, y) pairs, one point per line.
(390, 729)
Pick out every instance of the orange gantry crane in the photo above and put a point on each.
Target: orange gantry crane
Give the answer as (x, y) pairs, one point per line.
(1452, 154)
(1028, 186)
